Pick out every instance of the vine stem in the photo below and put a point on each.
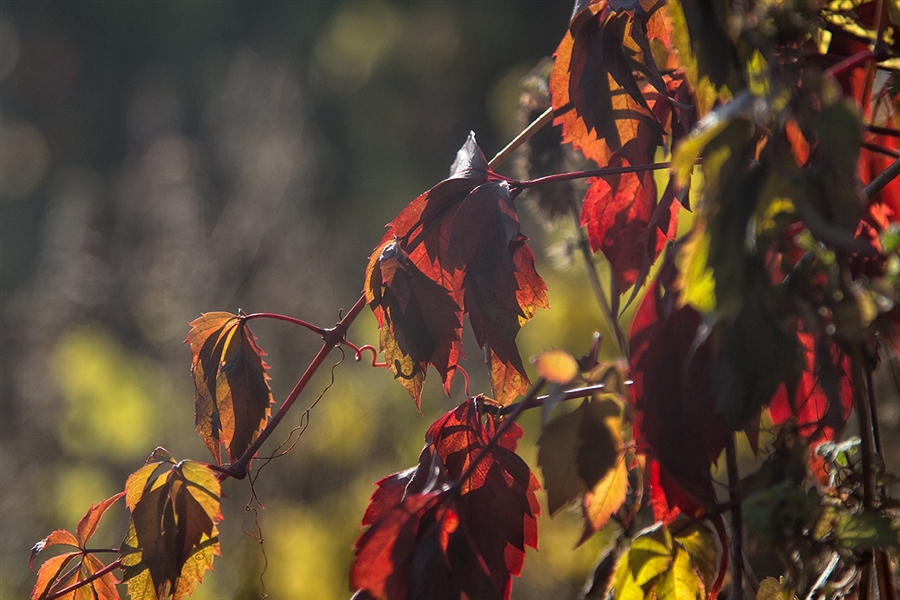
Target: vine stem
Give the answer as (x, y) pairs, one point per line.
(530, 183)
(523, 137)
(83, 582)
(332, 338)
(567, 395)
(585, 247)
(850, 62)
(737, 521)
(278, 317)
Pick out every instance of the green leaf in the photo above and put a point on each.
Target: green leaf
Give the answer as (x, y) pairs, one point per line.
(867, 530)
(577, 450)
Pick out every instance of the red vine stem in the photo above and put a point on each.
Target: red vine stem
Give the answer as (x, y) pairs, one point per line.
(332, 338)
(522, 185)
(850, 62)
(277, 317)
(83, 582)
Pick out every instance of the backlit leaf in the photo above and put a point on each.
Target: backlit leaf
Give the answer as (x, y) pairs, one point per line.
(172, 536)
(456, 249)
(676, 421)
(87, 526)
(680, 581)
(54, 574)
(426, 540)
(232, 398)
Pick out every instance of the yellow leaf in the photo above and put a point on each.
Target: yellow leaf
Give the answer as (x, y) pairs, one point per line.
(695, 276)
(773, 589)
(601, 502)
(680, 581)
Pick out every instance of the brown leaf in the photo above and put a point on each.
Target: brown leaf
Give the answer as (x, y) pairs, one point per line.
(172, 536)
(232, 397)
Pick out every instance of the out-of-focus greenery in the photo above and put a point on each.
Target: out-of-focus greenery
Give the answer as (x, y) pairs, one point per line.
(160, 159)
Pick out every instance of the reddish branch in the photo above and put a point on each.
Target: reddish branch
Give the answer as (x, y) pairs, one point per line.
(295, 321)
(332, 338)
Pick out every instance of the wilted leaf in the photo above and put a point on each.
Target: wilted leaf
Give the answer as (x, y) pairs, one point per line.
(420, 323)
(232, 397)
(424, 543)
(172, 536)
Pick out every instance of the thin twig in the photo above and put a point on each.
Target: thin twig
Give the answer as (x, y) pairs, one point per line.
(605, 308)
(567, 395)
(737, 534)
(884, 178)
(592, 173)
(523, 137)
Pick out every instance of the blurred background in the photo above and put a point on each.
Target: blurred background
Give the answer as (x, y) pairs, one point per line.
(163, 159)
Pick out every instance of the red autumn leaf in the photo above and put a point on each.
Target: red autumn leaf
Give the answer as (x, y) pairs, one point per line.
(617, 211)
(434, 536)
(232, 397)
(420, 323)
(593, 87)
(172, 537)
(676, 422)
(463, 235)
(824, 397)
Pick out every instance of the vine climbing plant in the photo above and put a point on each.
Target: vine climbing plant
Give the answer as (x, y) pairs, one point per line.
(742, 189)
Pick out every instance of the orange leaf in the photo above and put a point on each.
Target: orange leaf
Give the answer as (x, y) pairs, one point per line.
(172, 536)
(88, 524)
(232, 397)
(50, 571)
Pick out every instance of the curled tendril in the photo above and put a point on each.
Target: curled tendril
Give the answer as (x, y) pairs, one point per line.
(359, 354)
